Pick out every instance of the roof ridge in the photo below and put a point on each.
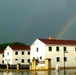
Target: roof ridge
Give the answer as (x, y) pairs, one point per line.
(20, 47)
(57, 41)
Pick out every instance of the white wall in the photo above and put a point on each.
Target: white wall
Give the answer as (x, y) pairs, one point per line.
(45, 53)
(53, 54)
(71, 56)
(8, 55)
(20, 57)
(41, 50)
(11, 58)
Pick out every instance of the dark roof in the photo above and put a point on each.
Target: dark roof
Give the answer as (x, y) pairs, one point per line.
(20, 47)
(1, 51)
(55, 41)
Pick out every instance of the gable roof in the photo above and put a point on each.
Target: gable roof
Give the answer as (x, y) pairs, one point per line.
(20, 47)
(55, 41)
(1, 51)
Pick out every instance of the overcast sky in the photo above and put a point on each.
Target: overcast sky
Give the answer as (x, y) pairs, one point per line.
(26, 20)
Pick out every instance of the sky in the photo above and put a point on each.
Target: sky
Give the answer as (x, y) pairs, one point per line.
(26, 20)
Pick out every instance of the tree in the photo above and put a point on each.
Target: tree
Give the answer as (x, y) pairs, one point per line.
(3, 46)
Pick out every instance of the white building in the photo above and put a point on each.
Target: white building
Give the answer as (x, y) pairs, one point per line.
(1, 56)
(17, 54)
(57, 50)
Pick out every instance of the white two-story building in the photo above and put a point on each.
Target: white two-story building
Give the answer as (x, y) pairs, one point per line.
(59, 51)
(17, 54)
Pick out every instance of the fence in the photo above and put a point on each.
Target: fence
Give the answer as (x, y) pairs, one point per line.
(14, 66)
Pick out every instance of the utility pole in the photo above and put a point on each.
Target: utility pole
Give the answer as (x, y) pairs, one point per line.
(64, 61)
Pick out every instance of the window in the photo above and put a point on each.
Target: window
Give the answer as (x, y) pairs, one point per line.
(28, 60)
(37, 50)
(2, 55)
(65, 59)
(16, 59)
(22, 53)
(41, 58)
(50, 48)
(57, 48)
(33, 57)
(64, 48)
(58, 59)
(16, 53)
(28, 53)
(22, 60)
(3, 62)
(75, 48)
(7, 53)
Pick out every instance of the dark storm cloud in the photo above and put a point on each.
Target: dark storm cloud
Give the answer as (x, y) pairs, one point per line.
(26, 20)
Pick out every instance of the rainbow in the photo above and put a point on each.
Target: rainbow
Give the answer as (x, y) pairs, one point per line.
(66, 27)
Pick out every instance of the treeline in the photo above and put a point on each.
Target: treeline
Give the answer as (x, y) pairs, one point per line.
(3, 46)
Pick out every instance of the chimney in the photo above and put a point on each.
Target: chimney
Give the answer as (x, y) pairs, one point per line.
(50, 38)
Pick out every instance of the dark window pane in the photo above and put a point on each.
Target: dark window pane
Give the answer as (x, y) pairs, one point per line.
(37, 50)
(50, 48)
(16, 59)
(58, 59)
(3, 55)
(3, 62)
(28, 60)
(28, 53)
(75, 48)
(7, 53)
(57, 48)
(22, 53)
(22, 60)
(65, 59)
(16, 53)
(64, 48)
